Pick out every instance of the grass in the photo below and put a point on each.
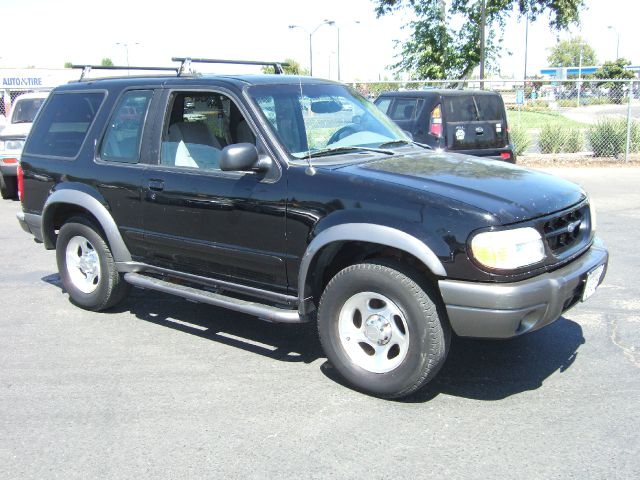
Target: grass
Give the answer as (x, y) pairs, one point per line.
(528, 120)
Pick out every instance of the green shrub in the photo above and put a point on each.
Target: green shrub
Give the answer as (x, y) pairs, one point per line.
(551, 139)
(608, 137)
(558, 139)
(573, 140)
(520, 139)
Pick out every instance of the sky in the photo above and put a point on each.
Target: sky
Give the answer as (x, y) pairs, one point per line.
(85, 31)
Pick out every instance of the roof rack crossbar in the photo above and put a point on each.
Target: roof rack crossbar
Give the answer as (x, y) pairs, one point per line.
(185, 63)
(86, 69)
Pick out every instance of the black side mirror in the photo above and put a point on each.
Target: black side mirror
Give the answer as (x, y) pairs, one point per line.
(239, 157)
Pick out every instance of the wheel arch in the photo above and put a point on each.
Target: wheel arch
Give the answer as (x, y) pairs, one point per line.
(63, 204)
(340, 241)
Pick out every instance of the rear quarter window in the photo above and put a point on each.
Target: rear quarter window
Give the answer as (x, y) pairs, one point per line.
(62, 126)
(405, 108)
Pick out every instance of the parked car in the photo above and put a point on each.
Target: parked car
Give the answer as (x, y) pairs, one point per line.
(12, 137)
(294, 214)
(473, 122)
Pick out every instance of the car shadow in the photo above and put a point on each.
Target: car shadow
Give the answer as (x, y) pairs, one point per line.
(496, 369)
(474, 369)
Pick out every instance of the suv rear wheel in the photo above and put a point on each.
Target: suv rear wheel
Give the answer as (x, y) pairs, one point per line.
(86, 266)
(381, 330)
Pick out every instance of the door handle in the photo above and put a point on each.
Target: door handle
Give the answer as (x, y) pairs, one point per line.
(156, 185)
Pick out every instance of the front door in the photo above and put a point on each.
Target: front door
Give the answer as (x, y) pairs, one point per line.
(199, 219)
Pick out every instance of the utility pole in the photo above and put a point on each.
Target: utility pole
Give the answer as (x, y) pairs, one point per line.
(483, 20)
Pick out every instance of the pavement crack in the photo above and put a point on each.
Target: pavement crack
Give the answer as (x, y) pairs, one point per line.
(629, 352)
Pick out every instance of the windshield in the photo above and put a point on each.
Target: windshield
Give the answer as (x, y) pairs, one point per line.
(24, 110)
(312, 119)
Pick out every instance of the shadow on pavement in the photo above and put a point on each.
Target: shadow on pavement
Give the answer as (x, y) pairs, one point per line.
(475, 369)
(289, 343)
(496, 369)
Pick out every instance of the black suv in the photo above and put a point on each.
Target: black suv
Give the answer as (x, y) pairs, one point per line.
(296, 199)
(473, 122)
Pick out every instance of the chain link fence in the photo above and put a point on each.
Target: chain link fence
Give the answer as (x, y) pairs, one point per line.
(555, 120)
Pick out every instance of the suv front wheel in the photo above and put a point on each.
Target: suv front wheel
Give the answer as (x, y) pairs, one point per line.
(381, 329)
(86, 266)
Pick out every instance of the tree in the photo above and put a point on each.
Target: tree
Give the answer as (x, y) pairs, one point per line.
(567, 53)
(612, 71)
(436, 50)
(68, 64)
(106, 62)
(293, 68)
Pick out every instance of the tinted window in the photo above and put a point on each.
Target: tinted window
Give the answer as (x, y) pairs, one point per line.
(470, 108)
(122, 140)
(62, 127)
(383, 104)
(404, 109)
(24, 111)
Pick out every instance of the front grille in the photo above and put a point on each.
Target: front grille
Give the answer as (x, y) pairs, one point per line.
(567, 230)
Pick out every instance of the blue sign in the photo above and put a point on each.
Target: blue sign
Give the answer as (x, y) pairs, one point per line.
(520, 97)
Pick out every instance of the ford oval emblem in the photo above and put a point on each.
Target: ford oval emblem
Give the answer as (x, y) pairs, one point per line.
(479, 130)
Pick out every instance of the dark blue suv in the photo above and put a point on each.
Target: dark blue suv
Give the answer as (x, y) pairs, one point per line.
(473, 122)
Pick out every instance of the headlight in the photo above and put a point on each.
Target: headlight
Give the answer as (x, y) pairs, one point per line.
(508, 249)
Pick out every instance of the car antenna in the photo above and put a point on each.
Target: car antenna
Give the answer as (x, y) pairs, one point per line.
(310, 170)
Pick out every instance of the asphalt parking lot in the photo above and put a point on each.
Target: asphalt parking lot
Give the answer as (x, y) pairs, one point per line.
(164, 388)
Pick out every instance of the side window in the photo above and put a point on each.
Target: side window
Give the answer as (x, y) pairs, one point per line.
(198, 126)
(383, 104)
(404, 109)
(121, 143)
(62, 126)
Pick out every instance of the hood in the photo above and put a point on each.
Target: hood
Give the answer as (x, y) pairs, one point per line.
(510, 193)
(16, 130)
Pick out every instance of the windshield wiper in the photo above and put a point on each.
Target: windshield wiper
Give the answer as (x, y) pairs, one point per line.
(353, 149)
(399, 143)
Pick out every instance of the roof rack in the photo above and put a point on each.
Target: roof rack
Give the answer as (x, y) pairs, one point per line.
(185, 63)
(86, 69)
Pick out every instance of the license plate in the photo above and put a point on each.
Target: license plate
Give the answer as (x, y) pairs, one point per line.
(593, 280)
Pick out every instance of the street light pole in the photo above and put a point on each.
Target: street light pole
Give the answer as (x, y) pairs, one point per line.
(483, 20)
(326, 22)
(334, 24)
(580, 73)
(126, 48)
(611, 27)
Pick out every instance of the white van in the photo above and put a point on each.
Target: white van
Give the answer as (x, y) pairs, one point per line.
(12, 137)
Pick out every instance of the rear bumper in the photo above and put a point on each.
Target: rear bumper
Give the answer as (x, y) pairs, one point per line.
(507, 310)
(31, 223)
(492, 153)
(8, 169)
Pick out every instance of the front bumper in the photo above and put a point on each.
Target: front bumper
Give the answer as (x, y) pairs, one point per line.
(504, 310)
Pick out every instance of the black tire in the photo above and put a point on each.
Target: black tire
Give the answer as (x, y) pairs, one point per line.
(109, 287)
(424, 349)
(8, 187)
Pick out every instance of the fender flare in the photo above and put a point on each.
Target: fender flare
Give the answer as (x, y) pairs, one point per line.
(119, 250)
(371, 233)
